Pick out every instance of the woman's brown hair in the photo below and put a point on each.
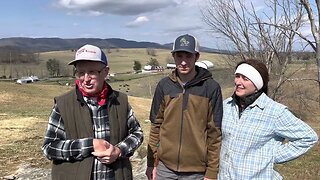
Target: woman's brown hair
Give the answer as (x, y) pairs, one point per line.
(262, 69)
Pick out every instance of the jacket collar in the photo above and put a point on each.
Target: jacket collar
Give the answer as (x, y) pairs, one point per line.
(202, 74)
(258, 99)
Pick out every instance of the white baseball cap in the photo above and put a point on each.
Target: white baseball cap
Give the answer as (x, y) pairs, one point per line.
(90, 53)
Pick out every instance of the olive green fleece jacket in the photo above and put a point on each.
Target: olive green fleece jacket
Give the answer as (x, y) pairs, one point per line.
(185, 124)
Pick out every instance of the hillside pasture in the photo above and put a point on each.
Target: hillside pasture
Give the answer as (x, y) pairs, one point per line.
(25, 108)
(121, 60)
(24, 116)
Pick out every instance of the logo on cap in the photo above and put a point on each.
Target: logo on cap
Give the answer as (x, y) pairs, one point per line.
(85, 50)
(184, 42)
(90, 53)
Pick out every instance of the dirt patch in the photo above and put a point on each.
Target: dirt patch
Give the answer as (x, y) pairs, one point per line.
(141, 106)
(5, 97)
(16, 129)
(20, 142)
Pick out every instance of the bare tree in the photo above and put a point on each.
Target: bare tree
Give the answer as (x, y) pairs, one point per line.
(314, 26)
(151, 52)
(296, 21)
(290, 15)
(255, 35)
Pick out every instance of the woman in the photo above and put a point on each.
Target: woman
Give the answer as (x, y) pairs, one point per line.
(254, 128)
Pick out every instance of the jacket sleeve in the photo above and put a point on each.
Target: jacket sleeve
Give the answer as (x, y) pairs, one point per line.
(57, 147)
(301, 137)
(156, 118)
(135, 137)
(214, 134)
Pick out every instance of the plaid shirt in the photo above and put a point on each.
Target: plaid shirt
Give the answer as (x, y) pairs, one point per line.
(57, 147)
(252, 143)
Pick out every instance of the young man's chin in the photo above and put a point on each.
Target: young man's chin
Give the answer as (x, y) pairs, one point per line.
(184, 71)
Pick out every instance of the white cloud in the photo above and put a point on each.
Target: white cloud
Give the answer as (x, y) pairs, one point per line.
(138, 21)
(185, 17)
(80, 4)
(95, 13)
(154, 20)
(123, 7)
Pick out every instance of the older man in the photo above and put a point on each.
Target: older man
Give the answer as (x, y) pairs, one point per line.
(92, 130)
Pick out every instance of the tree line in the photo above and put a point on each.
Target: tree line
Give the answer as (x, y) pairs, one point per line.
(15, 55)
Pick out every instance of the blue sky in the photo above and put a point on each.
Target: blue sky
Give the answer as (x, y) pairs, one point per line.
(159, 21)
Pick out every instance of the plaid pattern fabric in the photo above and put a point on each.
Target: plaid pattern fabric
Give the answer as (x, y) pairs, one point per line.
(252, 143)
(57, 147)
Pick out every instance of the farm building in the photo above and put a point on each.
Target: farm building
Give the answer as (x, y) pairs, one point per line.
(147, 67)
(152, 69)
(171, 66)
(204, 64)
(29, 79)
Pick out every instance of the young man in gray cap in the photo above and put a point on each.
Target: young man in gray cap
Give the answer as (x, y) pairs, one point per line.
(186, 113)
(92, 130)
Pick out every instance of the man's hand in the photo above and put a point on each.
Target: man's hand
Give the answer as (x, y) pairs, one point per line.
(151, 173)
(107, 154)
(208, 179)
(100, 145)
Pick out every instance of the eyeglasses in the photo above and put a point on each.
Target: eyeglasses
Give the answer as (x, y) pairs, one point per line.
(92, 73)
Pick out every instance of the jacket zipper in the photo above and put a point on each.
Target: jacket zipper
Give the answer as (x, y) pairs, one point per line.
(181, 127)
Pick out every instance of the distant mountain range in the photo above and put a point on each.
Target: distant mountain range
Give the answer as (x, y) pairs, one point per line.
(56, 44)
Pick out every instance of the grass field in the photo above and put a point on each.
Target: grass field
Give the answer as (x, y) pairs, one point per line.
(25, 108)
(121, 60)
(23, 120)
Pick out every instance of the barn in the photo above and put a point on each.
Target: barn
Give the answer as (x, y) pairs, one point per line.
(29, 79)
(204, 64)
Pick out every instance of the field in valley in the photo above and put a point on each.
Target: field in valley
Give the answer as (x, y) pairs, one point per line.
(25, 108)
(120, 61)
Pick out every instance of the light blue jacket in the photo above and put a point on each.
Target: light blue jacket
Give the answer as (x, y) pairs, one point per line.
(253, 143)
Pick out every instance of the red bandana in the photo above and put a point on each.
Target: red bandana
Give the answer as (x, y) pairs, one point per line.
(101, 97)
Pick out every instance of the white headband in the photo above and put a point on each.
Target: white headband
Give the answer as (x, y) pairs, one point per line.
(251, 73)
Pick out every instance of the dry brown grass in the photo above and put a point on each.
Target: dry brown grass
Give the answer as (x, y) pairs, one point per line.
(25, 108)
(306, 167)
(141, 108)
(120, 60)
(21, 139)
(23, 120)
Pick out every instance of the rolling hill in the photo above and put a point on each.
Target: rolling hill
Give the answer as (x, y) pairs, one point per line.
(25, 44)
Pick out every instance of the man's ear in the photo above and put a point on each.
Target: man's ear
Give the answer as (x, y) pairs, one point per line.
(197, 56)
(107, 68)
(107, 72)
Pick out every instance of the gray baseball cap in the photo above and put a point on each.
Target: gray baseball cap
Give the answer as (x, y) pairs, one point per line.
(186, 43)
